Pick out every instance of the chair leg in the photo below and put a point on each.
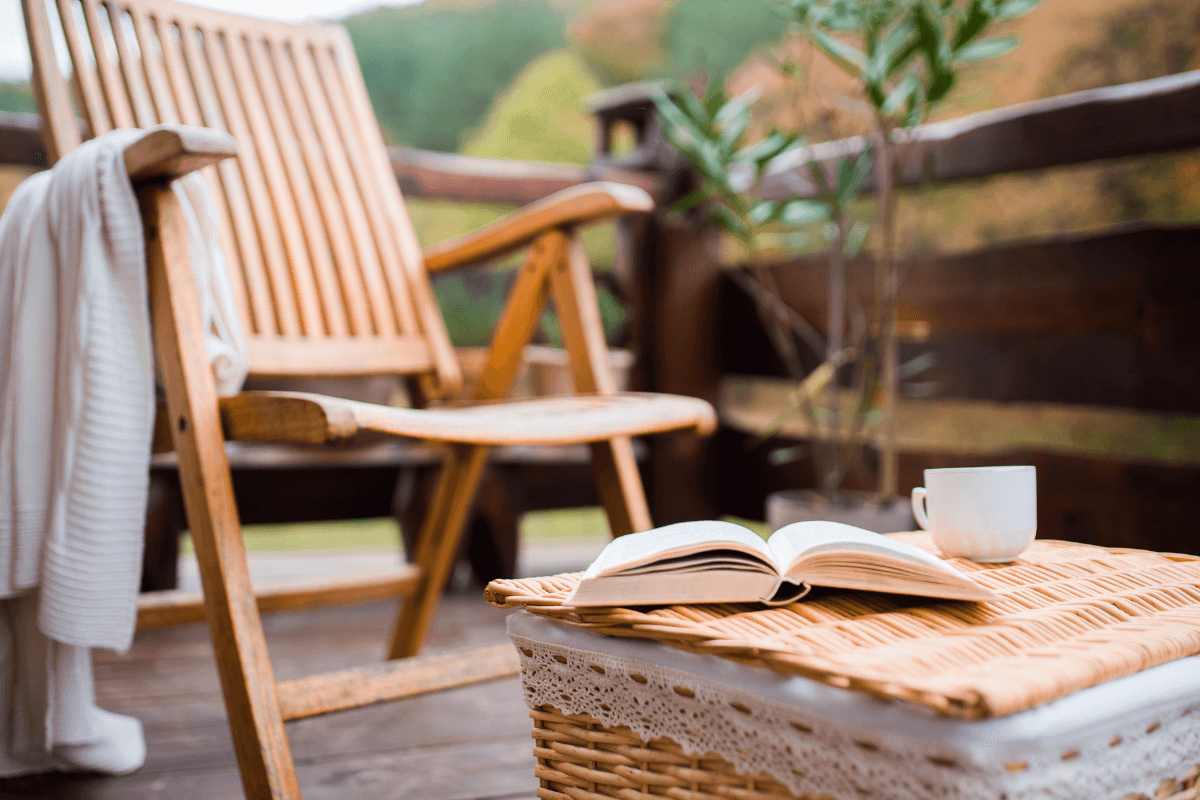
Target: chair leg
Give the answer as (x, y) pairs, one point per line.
(247, 680)
(613, 462)
(438, 544)
(619, 485)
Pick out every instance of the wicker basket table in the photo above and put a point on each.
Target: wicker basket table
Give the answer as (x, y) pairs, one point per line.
(921, 699)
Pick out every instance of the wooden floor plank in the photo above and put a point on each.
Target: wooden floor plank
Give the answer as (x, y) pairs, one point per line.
(463, 744)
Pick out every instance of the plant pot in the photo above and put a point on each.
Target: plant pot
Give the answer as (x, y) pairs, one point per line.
(882, 514)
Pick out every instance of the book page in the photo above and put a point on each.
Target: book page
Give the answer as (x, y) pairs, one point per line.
(685, 587)
(673, 541)
(793, 542)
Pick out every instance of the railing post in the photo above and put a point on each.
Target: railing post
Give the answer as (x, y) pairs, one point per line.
(668, 267)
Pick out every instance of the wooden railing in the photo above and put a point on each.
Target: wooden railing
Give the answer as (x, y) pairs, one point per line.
(1153, 116)
(421, 173)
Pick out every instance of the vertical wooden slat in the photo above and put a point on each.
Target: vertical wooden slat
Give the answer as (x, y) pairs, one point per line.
(91, 97)
(345, 213)
(110, 77)
(387, 295)
(183, 94)
(198, 105)
(279, 191)
(400, 226)
(59, 131)
(287, 132)
(130, 64)
(277, 281)
(153, 69)
(247, 679)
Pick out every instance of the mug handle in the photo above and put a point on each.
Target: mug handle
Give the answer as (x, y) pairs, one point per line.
(918, 504)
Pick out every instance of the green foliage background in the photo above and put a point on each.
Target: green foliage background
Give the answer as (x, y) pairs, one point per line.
(16, 97)
(434, 69)
(714, 36)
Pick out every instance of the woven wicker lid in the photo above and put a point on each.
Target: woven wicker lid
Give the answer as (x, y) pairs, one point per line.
(1071, 616)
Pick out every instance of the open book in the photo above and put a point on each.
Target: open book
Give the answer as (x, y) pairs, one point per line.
(720, 562)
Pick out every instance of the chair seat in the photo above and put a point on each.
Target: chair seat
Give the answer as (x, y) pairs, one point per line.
(556, 420)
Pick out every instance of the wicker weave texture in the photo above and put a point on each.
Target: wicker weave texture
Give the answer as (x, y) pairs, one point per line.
(580, 759)
(1072, 616)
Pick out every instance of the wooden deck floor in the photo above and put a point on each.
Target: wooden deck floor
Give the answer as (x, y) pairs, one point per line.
(464, 744)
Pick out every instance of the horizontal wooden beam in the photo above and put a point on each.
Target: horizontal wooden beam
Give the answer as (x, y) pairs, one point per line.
(448, 176)
(394, 680)
(1153, 116)
(174, 607)
(422, 174)
(469, 179)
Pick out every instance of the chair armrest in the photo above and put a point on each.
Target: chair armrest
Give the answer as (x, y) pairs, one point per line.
(579, 205)
(172, 151)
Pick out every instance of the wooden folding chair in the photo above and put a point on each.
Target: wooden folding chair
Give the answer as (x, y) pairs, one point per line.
(329, 281)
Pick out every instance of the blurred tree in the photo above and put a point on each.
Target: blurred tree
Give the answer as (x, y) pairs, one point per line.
(433, 69)
(16, 96)
(715, 36)
(541, 116)
(621, 39)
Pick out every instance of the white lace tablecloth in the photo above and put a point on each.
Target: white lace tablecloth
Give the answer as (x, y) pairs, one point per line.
(1122, 737)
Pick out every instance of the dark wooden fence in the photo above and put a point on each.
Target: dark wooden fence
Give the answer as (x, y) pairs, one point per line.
(1078, 353)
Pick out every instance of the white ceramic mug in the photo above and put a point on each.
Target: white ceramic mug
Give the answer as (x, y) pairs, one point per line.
(986, 514)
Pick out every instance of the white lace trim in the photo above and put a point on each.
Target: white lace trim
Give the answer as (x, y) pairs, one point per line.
(817, 754)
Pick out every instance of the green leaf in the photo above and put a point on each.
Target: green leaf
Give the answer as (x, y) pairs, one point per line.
(977, 19)
(677, 120)
(902, 94)
(796, 213)
(902, 58)
(694, 109)
(988, 48)
(711, 165)
(761, 212)
(1016, 8)
(875, 94)
(880, 66)
(939, 87)
(734, 130)
(714, 98)
(928, 35)
(845, 56)
(916, 108)
(734, 106)
(851, 175)
(693, 200)
(766, 149)
(730, 222)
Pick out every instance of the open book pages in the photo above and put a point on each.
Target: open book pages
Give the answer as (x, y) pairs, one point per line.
(720, 562)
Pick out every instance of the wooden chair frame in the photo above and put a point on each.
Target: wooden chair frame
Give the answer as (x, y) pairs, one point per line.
(315, 336)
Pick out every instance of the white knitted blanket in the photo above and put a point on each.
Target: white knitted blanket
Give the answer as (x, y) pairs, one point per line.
(77, 410)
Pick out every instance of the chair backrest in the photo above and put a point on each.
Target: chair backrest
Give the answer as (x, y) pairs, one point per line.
(327, 272)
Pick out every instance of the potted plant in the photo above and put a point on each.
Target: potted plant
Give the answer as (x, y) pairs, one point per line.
(904, 57)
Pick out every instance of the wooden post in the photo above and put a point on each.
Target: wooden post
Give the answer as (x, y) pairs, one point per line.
(673, 286)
